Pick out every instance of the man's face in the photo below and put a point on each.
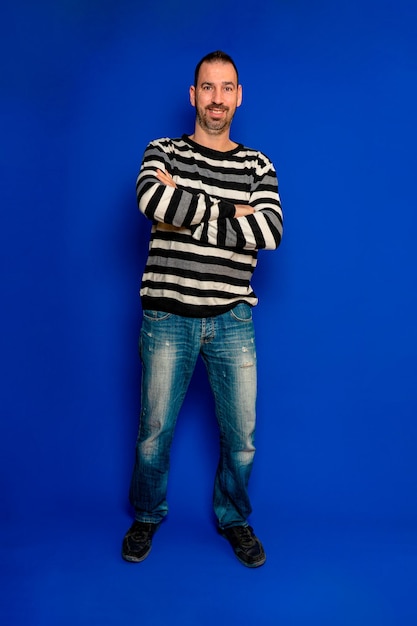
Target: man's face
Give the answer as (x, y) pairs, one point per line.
(216, 96)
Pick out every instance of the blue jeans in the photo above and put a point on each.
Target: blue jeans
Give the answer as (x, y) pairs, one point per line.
(169, 348)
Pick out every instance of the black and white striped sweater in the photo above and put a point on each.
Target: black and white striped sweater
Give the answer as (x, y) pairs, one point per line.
(201, 258)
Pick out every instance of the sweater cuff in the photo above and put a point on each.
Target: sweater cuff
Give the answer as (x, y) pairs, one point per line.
(226, 209)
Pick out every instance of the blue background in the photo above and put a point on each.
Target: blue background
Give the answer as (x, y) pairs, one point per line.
(330, 94)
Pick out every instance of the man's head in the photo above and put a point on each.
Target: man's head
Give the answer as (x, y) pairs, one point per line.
(216, 92)
(211, 57)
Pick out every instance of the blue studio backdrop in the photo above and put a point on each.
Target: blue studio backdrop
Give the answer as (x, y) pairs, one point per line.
(329, 94)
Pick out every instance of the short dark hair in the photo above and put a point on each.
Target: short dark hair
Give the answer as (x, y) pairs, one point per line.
(211, 57)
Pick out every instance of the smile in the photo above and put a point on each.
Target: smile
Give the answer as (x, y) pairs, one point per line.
(216, 111)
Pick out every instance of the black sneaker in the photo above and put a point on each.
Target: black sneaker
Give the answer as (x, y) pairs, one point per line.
(245, 544)
(137, 542)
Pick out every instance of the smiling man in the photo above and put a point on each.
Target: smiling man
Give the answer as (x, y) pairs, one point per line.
(213, 203)
(216, 95)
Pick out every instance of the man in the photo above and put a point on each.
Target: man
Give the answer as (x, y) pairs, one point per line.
(213, 203)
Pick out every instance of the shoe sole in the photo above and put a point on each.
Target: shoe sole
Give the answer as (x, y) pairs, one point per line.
(135, 559)
(251, 565)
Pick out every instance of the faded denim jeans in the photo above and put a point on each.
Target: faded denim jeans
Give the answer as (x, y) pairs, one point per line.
(169, 348)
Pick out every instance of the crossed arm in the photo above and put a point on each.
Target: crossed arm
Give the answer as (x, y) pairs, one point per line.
(241, 210)
(213, 221)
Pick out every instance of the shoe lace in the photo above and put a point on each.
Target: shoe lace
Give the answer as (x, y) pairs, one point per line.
(141, 531)
(245, 535)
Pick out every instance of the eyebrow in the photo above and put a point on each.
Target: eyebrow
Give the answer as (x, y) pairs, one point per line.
(225, 82)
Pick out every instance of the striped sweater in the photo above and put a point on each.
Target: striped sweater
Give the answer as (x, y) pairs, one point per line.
(201, 258)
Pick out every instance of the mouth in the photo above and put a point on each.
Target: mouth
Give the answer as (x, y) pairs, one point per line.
(216, 111)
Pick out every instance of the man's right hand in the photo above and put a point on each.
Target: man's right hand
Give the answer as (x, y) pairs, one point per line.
(243, 209)
(165, 178)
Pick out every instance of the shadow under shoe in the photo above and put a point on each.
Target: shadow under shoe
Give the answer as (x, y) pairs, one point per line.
(137, 542)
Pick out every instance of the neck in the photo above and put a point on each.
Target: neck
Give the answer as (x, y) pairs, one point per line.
(221, 143)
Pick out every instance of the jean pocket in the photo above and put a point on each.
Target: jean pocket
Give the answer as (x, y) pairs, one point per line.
(155, 316)
(242, 312)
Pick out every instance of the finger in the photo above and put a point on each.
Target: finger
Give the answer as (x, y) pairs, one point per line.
(163, 175)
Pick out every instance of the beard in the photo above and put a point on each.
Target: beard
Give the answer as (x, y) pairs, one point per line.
(213, 126)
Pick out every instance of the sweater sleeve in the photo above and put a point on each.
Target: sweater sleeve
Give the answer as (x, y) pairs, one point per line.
(260, 230)
(171, 205)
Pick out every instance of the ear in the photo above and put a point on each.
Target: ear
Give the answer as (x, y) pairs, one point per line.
(192, 95)
(239, 95)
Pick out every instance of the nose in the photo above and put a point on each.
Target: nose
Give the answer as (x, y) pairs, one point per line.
(217, 96)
